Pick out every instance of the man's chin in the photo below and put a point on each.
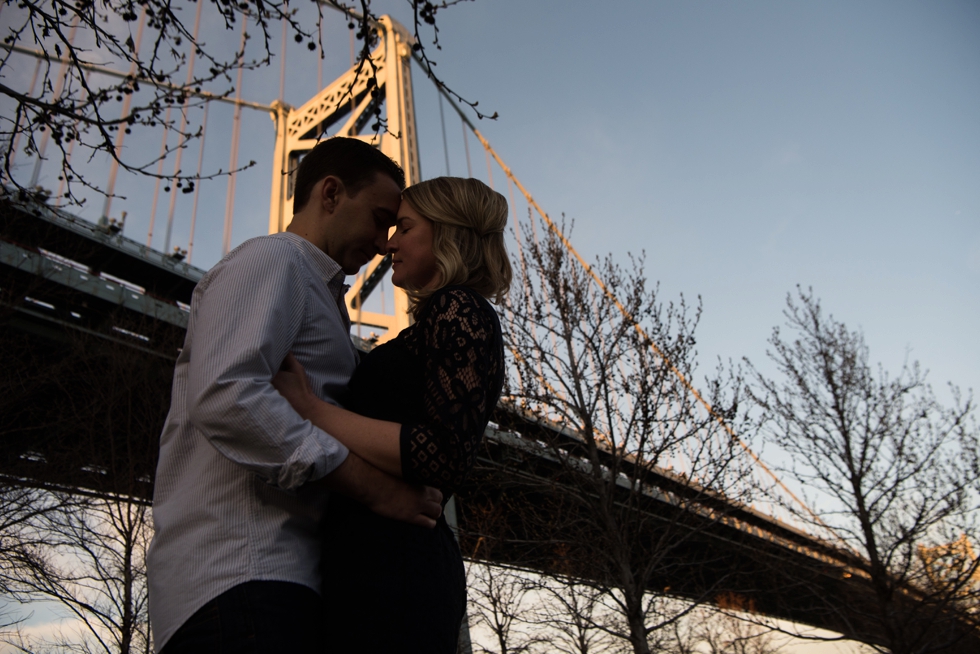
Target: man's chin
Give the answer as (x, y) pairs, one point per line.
(354, 267)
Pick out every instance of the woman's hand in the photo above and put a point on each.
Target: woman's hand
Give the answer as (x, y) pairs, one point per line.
(375, 441)
(292, 384)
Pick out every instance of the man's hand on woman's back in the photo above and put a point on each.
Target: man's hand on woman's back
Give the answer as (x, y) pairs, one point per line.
(384, 494)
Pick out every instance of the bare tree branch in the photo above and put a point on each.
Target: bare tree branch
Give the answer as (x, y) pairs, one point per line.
(71, 102)
(622, 412)
(890, 469)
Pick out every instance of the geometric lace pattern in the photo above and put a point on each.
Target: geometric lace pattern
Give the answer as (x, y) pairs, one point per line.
(458, 338)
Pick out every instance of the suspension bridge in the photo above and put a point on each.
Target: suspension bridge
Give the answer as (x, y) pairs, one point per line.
(119, 283)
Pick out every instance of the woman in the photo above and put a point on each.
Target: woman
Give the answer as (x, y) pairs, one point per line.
(418, 406)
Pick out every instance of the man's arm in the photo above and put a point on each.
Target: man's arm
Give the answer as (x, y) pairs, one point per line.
(375, 441)
(384, 494)
(245, 317)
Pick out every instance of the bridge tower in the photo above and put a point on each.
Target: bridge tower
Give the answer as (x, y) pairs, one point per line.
(346, 107)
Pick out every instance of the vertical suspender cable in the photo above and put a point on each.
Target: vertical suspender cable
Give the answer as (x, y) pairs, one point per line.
(612, 397)
(183, 128)
(351, 31)
(517, 235)
(319, 59)
(445, 143)
(360, 301)
(547, 299)
(121, 134)
(466, 145)
(282, 63)
(16, 143)
(517, 223)
(520, 258)
(159, 175)
(71, 147)
(58, 87)
(233, 159)
(489, 169)
(197, 187)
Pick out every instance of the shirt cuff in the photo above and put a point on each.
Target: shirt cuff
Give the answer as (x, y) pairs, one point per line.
(316, 458)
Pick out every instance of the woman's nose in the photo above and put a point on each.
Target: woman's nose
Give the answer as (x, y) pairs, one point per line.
(391, 245)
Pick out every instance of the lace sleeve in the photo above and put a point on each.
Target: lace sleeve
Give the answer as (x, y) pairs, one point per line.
(459, 341)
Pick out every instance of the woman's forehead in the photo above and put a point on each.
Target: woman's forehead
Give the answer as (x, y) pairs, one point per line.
(407, 212)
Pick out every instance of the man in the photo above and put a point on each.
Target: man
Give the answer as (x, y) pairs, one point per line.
(234, 565)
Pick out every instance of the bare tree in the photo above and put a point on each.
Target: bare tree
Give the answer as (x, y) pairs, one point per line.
(891, 471)
(576, 617)
(498, 600)
(22, 508)
(148, 59)
(91, 561)
(638, 455)
(498, 597)
(731, 629)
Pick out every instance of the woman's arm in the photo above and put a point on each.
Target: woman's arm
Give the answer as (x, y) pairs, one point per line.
(463, 358)
(375, 441)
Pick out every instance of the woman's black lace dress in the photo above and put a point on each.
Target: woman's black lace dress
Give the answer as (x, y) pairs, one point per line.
(390, 586)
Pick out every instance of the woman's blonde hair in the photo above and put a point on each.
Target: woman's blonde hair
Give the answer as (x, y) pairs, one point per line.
(468, 222)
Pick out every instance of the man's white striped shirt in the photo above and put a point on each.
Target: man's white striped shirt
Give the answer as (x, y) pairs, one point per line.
(231, 502)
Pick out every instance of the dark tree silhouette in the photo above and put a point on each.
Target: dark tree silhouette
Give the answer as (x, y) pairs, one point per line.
(608, 366)
(891, 470)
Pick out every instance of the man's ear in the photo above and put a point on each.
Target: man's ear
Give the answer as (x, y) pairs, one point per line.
(330, 191)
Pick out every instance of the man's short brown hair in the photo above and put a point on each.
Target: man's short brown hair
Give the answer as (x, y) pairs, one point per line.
(353, 161)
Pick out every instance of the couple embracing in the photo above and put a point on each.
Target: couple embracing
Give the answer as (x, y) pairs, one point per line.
(283, 522)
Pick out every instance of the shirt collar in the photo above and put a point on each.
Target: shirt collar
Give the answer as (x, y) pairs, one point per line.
(329, 270)
(337, 286)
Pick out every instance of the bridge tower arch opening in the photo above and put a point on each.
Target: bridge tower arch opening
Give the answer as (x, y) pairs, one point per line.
(347, 107)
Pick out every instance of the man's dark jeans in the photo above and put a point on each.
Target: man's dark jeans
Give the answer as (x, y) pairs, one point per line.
(256, 617)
